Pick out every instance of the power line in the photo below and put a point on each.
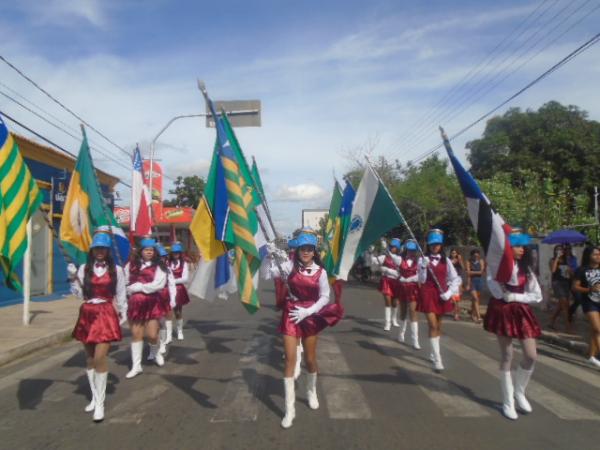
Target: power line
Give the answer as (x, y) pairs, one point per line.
(475, 70)
(77, 138)
(66, 108)
(45, 139)
(582, 48)
(473, 95)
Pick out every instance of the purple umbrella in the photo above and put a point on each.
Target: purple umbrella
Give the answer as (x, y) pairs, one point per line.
(565, 237)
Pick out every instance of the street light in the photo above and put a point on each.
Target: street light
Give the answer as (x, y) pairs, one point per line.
(168, 124)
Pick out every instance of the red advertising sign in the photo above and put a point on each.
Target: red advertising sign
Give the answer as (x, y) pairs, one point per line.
(156, 191)
(169, 215)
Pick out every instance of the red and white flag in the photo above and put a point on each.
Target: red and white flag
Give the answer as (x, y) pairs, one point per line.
(140, 199)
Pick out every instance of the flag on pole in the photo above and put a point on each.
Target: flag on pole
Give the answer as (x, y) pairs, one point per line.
(85, 211)
(373, 214)
(490, 227)
(140, 199)
(209, 230)
(20, 197)
(262, 209)
(334, 210)
(243, 218)
(341, 226)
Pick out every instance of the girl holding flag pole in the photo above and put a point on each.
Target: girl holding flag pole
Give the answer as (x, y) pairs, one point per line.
(146, 275)
(98, 282)
(438, 283)
(509, 316)
(305, 314)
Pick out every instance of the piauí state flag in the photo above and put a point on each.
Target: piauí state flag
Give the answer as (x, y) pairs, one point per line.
(373, 214)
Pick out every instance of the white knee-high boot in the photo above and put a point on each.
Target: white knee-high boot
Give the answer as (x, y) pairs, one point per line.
(311, 390)
(298, 368)
(136, 359)
(388, 318)
(90, 376)
(414, 335)
(522, 378)
(162, 339)
(100, 384)
(290, 400)
(180, 329)
(156, 355)
(395, 316)
(508, 401)
(402, 330)
(435, 351)
(169, 329)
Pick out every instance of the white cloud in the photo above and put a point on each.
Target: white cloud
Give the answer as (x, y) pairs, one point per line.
(300, 193)
(64, 12)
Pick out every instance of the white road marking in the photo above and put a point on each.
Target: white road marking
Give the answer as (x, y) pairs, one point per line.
(240, 401)
(345, 398)
(559, 405)
(445, 394)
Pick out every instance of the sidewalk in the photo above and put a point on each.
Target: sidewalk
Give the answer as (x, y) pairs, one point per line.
(576, 341)
(51, 322)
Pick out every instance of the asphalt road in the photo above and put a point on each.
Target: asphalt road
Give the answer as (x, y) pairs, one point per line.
(221, 389)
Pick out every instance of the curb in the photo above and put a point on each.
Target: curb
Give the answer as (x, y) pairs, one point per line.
(32, 346)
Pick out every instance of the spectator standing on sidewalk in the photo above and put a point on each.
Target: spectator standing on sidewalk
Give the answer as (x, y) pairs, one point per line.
(587, 283)
(459, 266)
(561, 286)
(476, 267)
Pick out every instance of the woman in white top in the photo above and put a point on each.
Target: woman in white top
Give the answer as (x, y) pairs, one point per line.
(98, 282)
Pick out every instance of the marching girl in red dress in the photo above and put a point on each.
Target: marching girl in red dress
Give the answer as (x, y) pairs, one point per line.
(181, 273)
(146, 276)
(389, 285)
(438, 282)
(305, 313)
(409, 293)
(166, 304)
(99, 282)
(509, 316)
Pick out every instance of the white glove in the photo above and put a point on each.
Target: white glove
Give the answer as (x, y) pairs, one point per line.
(446, 295)
(71, 270)
(402, 279)
(298, 314)
(123, 317)
(133, 288)
(271, 247)
(371, 248)
(509, 296)
(425, 262)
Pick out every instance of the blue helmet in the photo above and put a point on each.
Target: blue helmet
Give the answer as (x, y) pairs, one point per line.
(161, 250)
(411, 245)
(435, 236)
(396, 243)
(306, 239)
(519, 239)
(147, 242)
(101, 240)
(176, 247)
(292, 243)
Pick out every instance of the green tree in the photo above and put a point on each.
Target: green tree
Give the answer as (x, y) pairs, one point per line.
(187, 191)
(560, 140)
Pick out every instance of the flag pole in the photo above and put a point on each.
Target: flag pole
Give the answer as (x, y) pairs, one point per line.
(27, 276)
(264, 202)
(412, 235)
(104, 209)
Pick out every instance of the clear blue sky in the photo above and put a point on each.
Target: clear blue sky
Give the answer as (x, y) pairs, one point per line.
(333, 76)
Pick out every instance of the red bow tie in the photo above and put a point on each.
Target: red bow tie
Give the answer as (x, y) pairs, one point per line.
(435, 257)
(305, 269)
(100, 265)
